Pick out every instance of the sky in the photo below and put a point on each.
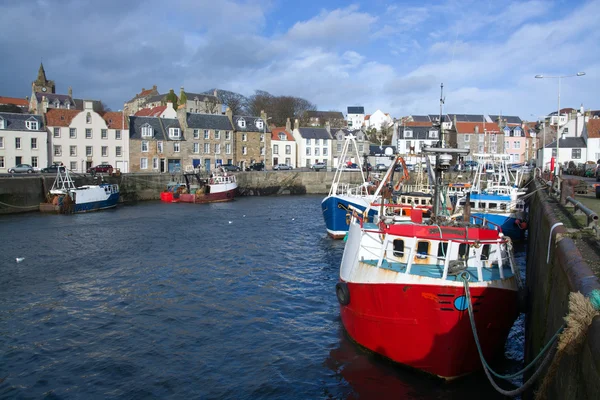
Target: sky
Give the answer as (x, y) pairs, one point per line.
(384, 55)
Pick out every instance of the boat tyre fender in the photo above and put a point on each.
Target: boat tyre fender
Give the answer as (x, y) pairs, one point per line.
(342, 292)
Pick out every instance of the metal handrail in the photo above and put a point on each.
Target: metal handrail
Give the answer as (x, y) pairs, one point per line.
(592, 217)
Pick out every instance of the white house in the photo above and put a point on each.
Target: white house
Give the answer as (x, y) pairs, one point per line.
(591, 134)
(166, 111)
(314, 145)
(355, 117)
(570, 149)
(283, 146)
(23, 140)
(377, 119)
(83, 139)
(412, 139)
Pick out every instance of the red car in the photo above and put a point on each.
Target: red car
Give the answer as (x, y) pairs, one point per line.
(107, 168)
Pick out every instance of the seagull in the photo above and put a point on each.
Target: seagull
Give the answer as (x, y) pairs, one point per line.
(244, 215)
(230, 222)
(293, 219)
(19, 259)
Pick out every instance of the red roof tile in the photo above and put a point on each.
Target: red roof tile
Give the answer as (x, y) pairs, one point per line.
(115, 120)
(151, 112)
(417, 123)
(469, 127)
(60, 116)
(276, 131)
(593, 128)
(367, 117)
(14, 100)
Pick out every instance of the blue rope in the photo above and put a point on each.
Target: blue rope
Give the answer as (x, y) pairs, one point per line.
(595, 299)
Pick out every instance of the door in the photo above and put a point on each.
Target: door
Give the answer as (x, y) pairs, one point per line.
(275, 160)
(18, 160)
(88, 165)
(207, 164)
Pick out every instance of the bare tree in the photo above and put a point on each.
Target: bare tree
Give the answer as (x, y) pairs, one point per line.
(260, 101)
(384, 135)
(212, 105)
(235, 101)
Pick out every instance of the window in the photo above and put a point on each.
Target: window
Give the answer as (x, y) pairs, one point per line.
(494, 138)
(533, 145)
(259, 124)
(206, 148)
(227, 135)
(317, 151)
(408, 134)
(73, 165)
(159, 146)
(88, 151)
(325, 152)
(228, 148)
(576, 154)
(34, 161)
(565, 130)
(2, 162)
(398, 248)
(56, 132)
(143, 163)
(433, 134)
(485, 252)
(73, 151)
(282, 136)
(467, 138)
(155, 163)
(174, 133)
(262, 151)
(506, 144)
(144, 146)
(244, 150)
(480, 148)
(442, 250)
(176, 147)
(517, 144)
(88, 118)
(196, 147)
(206, 134)
(339, 147)
(361, 148)
(325, 143)
(217, 149)
(88, 133)
(463, 251)
(147, 131)
(118, 134)
(275, 149)
(57, 150)
(288, 161)
(308, 142)
(103, 133)
(481, 137)
(32, 125)
(217, 134)
(118, 151)
(34, 143)
(244, 137)
(308, 151)
(553, 152)
(241, 123)
(73, 133)
(494, 149)
(288, 149)
(18, 143)
(104, 151)
(196, 133)
(2, 123)
(262, 137)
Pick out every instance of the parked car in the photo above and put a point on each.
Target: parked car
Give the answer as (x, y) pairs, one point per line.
(230, 168)
(281, 167)
(381, 167)
(318, 166)
(21, 168)
(52, 169)
(352, 166)
(259, 166)
(106, 168)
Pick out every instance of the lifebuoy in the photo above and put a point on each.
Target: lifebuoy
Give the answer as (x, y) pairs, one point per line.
(342, 293)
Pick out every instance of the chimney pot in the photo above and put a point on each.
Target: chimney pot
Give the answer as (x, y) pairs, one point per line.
(143, 89)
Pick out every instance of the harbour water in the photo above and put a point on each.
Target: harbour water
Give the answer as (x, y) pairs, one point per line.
(232, 300)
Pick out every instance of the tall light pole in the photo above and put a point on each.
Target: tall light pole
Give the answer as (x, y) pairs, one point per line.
(556, 166)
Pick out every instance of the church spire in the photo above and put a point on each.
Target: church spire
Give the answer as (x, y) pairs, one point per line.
(41, 74)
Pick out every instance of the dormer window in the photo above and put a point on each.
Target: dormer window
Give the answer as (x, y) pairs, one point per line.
(259, 124)
(147, 131)
(408, 134)
(242, 123)
(68, 105)
(2, 123)
(56, 103)
(282, 136)
(174, 133)
(88, 118)
(32, 124)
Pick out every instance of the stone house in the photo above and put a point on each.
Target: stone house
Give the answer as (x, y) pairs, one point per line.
(23, 140)
(166, 111)
(156, 145)
(200, 103)
(83, 139)
(478, 137)
(411, 139)
(210, 139)
(362, 143)
(313, 144)
(252, 139)
(283, 146)
(139, 100)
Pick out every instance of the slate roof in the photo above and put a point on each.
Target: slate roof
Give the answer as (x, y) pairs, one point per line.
(434, 117)
(568, 143)
(466, 117)
(200, 96)
(52, 97)
(346, 132)
(356, 110)
(60, 116)
(469, 127)
(96, 104)
(160, 127)
(14, 100)
(155, 98)
(419, 133)
(510, 120)
(16, 122)
(418, 123)
(115, 120)
(208, 121)
(250, 124)
(276, 131)
(314, 133)
(375, 150)
(593, 129)
(325, 114)
(421, 118)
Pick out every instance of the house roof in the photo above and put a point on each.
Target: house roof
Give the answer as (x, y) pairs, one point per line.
(314, 133)
(593, 128)
(208, 121)
(434, 117)
(469, 127)
(325, 114)
(200, 96)
(421, 118)
(418, 133)
(367, 117)
(16, 121)
(356, 110)
(418, 123)
(53, 97)
(115, 120)
(151, 112)
(346, 132)
(281, 129)
(568, 143)
(14, 100)
(96, 104)
(144, 93)
(251, 124)
(510, 119)
(466, 117)
(160, 127)
(60, 116)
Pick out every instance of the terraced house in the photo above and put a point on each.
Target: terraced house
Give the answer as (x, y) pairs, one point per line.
(23, 140)
(210, 139)
(252, 139)
(156, 145)
(362, 144)
(314, 145)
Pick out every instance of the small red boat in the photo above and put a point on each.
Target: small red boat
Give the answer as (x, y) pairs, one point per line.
(217, 188)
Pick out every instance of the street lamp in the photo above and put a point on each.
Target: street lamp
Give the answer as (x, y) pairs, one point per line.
(557, 168)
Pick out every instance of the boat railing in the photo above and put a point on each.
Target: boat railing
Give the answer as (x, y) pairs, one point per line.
(352, 189)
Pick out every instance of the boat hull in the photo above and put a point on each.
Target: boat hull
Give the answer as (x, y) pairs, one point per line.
(89, 206)
(427, 327)
(506, 221)
(335, 209)
(227, 195)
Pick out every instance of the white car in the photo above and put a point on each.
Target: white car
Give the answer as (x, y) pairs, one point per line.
(281, 167)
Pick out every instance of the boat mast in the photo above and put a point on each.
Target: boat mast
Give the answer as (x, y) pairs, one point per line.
(438, 170)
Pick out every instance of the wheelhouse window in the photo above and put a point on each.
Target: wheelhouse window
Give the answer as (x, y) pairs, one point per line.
(422, 249)
(398, 248)
(442, 250)
(485, 252)
(463, 250)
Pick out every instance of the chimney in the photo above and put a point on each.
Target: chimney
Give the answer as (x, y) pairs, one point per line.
(296, 124)
(581, 110)
(288, 125)
(229, 114)
(88, 105)
(328, 126)
(215, 93)
(263, 115)
(170, 105)
(70, 91)
(153, 87)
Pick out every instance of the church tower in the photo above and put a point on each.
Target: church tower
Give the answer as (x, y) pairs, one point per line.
(42, 84)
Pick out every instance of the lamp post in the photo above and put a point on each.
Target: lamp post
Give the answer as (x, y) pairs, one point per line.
(557, 167)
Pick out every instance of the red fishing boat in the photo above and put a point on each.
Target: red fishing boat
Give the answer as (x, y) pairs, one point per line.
(402, 288)
(195, 189)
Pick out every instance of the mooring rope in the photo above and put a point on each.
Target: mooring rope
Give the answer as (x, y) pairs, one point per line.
(24, 207)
